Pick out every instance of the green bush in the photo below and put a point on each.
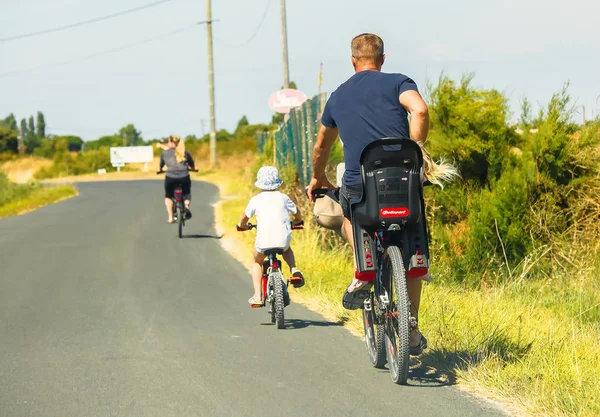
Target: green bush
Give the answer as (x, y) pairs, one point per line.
(10, 192)
(64, 164)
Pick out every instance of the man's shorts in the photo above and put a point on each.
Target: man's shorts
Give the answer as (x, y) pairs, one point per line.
(347, 193)
(172, 183)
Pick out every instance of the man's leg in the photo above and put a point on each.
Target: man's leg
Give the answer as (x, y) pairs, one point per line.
(350, 236)
(414, 286)
(169, 205)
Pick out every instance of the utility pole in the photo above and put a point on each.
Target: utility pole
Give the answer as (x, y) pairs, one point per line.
(286, 70)
(320, 77)
(21, 141)
(584, 122)
(211, 87)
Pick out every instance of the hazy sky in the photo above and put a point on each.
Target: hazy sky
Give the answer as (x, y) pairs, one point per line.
(525, 48)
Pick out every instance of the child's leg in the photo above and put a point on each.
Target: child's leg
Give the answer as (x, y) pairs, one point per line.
(290, 259)
(297, 278)
(257, 274)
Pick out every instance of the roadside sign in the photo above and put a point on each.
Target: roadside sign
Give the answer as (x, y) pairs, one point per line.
(131, 155)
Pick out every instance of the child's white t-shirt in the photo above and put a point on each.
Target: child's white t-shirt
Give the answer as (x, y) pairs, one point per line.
(272, 209)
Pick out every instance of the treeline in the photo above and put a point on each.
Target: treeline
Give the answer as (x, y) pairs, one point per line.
(29, 137)
(528, 198)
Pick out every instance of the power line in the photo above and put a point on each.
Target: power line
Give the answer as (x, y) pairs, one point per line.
(100, 53)
(262, 20)
(85, 22)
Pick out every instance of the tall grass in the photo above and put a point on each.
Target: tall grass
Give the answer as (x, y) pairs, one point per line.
(532, 344)
(17, 199)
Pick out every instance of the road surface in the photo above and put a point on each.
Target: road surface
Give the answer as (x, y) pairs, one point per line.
(105, 312)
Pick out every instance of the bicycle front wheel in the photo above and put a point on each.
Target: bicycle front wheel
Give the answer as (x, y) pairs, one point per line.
(397, 328)
(278, 304)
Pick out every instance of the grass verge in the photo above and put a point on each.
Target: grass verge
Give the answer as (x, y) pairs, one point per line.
(36, 199)
(533, 346)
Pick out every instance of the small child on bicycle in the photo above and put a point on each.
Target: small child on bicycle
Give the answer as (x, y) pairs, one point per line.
(272, 210)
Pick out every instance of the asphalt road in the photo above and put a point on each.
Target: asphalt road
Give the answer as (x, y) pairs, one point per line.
(105, 312)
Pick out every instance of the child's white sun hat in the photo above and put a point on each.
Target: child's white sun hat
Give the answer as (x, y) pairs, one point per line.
(268, 179)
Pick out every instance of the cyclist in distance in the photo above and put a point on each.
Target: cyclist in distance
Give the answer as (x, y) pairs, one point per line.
(177, 160)
(370, 105)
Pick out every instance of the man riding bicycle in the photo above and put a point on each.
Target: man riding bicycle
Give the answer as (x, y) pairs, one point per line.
(370, 105)
(177, 160)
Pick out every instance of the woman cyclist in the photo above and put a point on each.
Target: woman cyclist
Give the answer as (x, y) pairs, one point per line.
(177, 160)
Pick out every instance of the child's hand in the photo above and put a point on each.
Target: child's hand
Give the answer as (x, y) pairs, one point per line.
(240, 228)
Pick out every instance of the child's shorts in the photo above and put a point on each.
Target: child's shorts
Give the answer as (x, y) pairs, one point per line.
(262, 250)
(283, 244)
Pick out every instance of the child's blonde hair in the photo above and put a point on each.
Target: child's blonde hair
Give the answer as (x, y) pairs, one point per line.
(179, 148)
(440, 172)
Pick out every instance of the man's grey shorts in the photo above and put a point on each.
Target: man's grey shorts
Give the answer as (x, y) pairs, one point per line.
(347, 193)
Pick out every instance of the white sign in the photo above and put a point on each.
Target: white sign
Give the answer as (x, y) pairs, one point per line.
(283, 101)
(130, 155)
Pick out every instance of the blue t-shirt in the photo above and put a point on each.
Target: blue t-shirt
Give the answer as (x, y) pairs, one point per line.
(366, 108)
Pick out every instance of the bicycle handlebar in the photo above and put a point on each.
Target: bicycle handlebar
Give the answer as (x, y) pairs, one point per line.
(251, 226)
(189, 170)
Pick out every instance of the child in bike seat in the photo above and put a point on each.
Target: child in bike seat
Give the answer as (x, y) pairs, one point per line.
(272, 210)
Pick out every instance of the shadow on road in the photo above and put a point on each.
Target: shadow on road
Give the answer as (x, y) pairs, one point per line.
(292, 324)
(202, 237)
(439, 367)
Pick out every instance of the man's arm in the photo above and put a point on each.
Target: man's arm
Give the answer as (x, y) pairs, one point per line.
(419, 121)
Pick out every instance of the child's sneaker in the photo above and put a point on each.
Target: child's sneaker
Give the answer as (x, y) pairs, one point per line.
(255, 302)
(297, 279)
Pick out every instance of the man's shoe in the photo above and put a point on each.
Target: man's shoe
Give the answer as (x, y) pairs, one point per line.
(356, 293)
(417, 350)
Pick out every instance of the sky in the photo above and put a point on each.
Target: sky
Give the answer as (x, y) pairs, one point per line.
(150, 68)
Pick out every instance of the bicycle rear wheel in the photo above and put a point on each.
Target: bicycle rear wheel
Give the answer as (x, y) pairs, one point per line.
(374, 336)
(180, 220)
(278, 304)
(397, 328)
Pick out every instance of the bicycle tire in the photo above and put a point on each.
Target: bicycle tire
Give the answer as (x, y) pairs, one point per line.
(374, 337)
(397, 328)
(278, 304)
(180, 220)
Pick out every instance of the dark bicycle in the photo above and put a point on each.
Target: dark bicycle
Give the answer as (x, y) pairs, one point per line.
(178, 204)
(390, 237)
(274, 286)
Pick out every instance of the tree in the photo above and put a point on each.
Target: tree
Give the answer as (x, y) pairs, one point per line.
(243, 122)
(41, 125)
(74, 143)
(104, 141)
(130, 136)
(10, 122)
(23, 127)
(8, 139)
(31, 127)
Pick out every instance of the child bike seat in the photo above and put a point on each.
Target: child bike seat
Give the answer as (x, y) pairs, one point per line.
(392, 177)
